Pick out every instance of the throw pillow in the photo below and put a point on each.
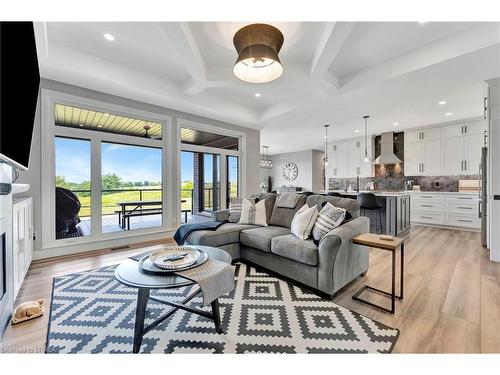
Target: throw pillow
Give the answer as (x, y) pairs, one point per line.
(235, 209)
(303, 221)
(330, 217)
(253, 213)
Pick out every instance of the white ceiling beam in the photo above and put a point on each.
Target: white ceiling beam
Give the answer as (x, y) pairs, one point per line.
(434, 53)
(332, 40)
(182, 40)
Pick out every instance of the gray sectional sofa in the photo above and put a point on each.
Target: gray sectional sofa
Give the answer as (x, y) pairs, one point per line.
(326, 267)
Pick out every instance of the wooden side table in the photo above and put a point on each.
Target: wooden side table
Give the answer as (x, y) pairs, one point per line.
(373, 240)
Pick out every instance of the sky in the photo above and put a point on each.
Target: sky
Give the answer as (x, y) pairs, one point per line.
(131, 163)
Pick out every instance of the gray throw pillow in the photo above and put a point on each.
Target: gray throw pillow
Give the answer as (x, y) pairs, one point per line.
(329, 217)
(235, 209)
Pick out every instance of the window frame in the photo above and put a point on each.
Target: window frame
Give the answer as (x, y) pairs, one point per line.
(242, 144)
(49, 130)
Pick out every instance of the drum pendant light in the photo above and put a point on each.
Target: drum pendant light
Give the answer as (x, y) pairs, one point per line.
(258, 46)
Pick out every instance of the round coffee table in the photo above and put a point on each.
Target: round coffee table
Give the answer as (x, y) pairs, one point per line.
(130, 274)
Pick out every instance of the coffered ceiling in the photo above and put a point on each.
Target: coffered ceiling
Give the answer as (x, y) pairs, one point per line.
(334, 72)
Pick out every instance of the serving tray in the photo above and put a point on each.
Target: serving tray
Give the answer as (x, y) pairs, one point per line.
(147, 265)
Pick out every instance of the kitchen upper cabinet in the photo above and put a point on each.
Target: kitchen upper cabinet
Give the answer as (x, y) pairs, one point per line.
(446, 150)
(473, 145)
(423, 134)
(347, 159)
(413, 157)
(431, 157)
(453, 155)
(423, 158)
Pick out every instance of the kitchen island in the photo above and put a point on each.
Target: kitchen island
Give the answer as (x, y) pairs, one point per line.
(395, 208)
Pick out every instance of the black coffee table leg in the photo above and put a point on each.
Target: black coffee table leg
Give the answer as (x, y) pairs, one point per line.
(216, 316)
(140, 314)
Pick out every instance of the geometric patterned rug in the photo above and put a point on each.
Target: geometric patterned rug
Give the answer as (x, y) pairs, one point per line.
(91, 312)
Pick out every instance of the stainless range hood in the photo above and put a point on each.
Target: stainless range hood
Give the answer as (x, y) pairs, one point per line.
(387, 150)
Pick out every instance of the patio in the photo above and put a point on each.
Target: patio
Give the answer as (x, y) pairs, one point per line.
(110, 222)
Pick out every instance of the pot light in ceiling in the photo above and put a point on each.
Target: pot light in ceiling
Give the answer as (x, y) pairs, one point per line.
(449, 113)
(396, 124)
(442, 102)
(257, 94)
(422, 22)
(356, 131)
(258, 46)
(109, 37)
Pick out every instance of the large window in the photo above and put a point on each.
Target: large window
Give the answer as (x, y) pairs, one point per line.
(131, 187)
(72, 181)
(108, 174)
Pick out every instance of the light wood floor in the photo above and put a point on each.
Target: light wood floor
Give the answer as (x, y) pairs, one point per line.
(451, 304)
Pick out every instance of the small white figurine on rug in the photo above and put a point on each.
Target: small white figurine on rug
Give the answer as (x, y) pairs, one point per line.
(28, 310)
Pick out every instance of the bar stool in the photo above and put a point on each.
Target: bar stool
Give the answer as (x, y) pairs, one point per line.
(368, 202)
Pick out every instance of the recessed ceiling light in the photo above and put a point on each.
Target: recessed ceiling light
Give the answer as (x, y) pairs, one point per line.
(442, 102)
(422, 22)
(257, 94)
(396, 124)
(109, 37)
(449, 113)
(356, 131)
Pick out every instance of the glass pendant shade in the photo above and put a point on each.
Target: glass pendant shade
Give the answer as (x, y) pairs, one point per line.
(258, 46)
(265, 161)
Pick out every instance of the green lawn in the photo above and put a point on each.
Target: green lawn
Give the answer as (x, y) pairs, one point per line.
(109, 201)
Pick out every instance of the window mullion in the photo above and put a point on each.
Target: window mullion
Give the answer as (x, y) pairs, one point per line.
(96, 186)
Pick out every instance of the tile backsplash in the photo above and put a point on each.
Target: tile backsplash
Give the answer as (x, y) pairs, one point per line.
(395, 181)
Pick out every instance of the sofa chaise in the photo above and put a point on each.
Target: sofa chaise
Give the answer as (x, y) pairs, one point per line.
(326, 266)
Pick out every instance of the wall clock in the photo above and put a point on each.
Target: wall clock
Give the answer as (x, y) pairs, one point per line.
(290, 171)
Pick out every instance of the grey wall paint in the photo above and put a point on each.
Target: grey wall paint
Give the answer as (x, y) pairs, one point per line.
(310, 174)
(33, 176)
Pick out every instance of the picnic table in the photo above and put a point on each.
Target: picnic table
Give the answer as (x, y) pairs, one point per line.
(130, 209)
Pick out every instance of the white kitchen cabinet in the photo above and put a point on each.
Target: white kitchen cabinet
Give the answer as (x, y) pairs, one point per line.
(459, 210)
(453, 155)
(422, 135)
(22, 240)
(347, 159)
(423, 158)
(473, 145)
(461, 148)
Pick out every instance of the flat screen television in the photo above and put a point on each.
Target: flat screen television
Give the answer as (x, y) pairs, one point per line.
(19, 86)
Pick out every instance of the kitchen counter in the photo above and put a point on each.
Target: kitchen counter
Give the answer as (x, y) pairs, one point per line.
(378, 193)
(445, 192)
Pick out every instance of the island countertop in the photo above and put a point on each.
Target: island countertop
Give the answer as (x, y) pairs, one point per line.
(378, 193)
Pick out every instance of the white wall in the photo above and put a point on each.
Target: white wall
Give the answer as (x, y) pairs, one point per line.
(308, 163)
(494, 162)
(33, 176)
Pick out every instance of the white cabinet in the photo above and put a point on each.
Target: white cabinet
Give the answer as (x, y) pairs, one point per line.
(446, 150)
(453, 155)
(472, 159)
(461, 151)
(22, 240)
(423, 158)
(459, 210)
(347, 159)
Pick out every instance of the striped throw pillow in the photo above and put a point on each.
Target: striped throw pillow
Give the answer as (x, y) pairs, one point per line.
(329, 217)
(235, 209)
(253, 213)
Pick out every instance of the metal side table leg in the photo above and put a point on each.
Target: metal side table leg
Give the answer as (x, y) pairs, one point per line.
(140, 314)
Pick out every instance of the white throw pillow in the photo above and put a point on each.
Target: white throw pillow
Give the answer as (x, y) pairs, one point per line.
(329, 217)
(303, 221)
(253, 213)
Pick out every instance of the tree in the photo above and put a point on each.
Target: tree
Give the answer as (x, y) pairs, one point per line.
(111, 181)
